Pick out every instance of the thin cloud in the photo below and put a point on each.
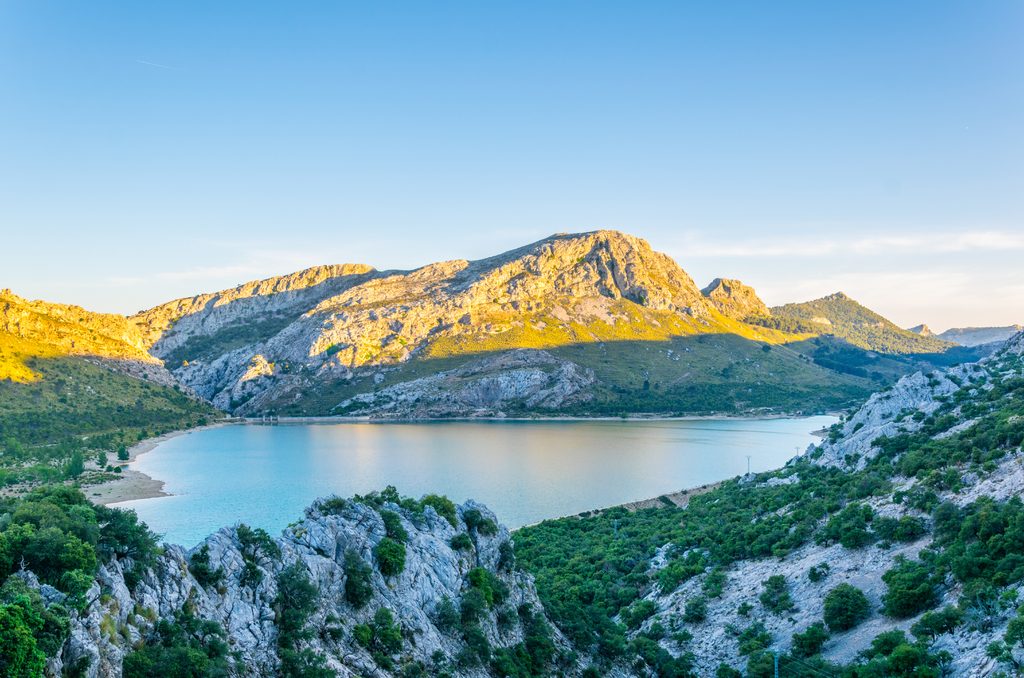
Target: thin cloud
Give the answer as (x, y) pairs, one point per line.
(155, 65)
(934, 243)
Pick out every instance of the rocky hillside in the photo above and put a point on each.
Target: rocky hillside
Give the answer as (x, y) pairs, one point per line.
(566, 324)
(893, 548)
(378, 585)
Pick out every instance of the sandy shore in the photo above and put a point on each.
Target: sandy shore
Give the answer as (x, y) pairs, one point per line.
(134, 484)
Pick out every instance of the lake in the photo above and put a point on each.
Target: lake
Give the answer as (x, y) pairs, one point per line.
(524, 471)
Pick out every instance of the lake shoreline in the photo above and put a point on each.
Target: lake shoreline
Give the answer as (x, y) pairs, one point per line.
(134, 485)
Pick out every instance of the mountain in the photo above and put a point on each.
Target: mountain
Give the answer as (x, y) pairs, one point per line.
(840, 316)
(891, 548)
(591, 323)
(922, 330)
(734, 299)
(587, 324)
(977, 336)
(66, 373)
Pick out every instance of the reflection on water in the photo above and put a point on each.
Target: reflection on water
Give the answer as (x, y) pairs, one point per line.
(525, 471)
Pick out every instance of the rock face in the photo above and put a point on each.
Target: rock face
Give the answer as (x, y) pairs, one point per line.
(118, 617)
(484, 387)
(734, 299)
(923, 330)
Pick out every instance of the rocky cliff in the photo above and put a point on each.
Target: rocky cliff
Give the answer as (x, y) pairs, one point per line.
(337, 548)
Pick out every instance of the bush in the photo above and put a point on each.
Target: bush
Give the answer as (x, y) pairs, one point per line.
(775, 596)
(634, 615)
(182, 648)
(446, 617)
(696, 610)
(493, 589)
(808, 643)
(934, 624)
(393, 526)
(910, 589)
(817, 573)
(461, 542)
(19, 655)
(382, 636)
(199, 566)
(846, 606)
(444, 507)
(358, 580)
(475, 521)
(473, 605)
(390, 556)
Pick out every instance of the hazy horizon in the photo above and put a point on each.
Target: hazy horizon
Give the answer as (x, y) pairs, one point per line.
(155, 152)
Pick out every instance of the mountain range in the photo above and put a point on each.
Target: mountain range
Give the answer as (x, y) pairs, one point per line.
(592, 324)
(970, 336)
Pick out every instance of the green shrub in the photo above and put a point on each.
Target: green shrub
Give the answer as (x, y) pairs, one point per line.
(473, 605)
(817, 573)
(181, 648)
(934, 624)
(358, 580)
(808, 643)
(446, 617)
(199, 566)
(390, 556)
(475, 521)
(635, 615)
(696, 610)
(775, 596)
(444, 507)
(846, 606)
(461, 542)
(910, 589)
(393, 526)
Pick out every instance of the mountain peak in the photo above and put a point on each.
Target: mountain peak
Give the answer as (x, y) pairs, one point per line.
(922, 329)
(734, 299)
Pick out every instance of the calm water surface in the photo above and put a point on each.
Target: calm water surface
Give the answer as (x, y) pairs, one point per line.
(525, 471)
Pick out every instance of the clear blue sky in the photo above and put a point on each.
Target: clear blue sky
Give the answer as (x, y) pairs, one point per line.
(149, 152)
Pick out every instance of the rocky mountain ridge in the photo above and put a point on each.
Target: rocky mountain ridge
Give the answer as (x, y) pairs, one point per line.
(336, 547)
(351, 339)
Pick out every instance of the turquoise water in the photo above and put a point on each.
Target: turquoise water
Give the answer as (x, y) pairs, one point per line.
(525, 471)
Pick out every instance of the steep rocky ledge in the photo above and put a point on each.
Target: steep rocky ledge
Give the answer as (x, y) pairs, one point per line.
(335, 539)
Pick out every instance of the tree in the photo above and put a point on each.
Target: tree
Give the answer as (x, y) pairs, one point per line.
(19, 655)
(775, 596)
(846, 606)
(808, 643)
(75, 466)
(910, 589)
(101, 459)
(390, 556)
(358, 580)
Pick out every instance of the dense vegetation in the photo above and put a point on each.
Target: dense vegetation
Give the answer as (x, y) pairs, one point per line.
(61, 537)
